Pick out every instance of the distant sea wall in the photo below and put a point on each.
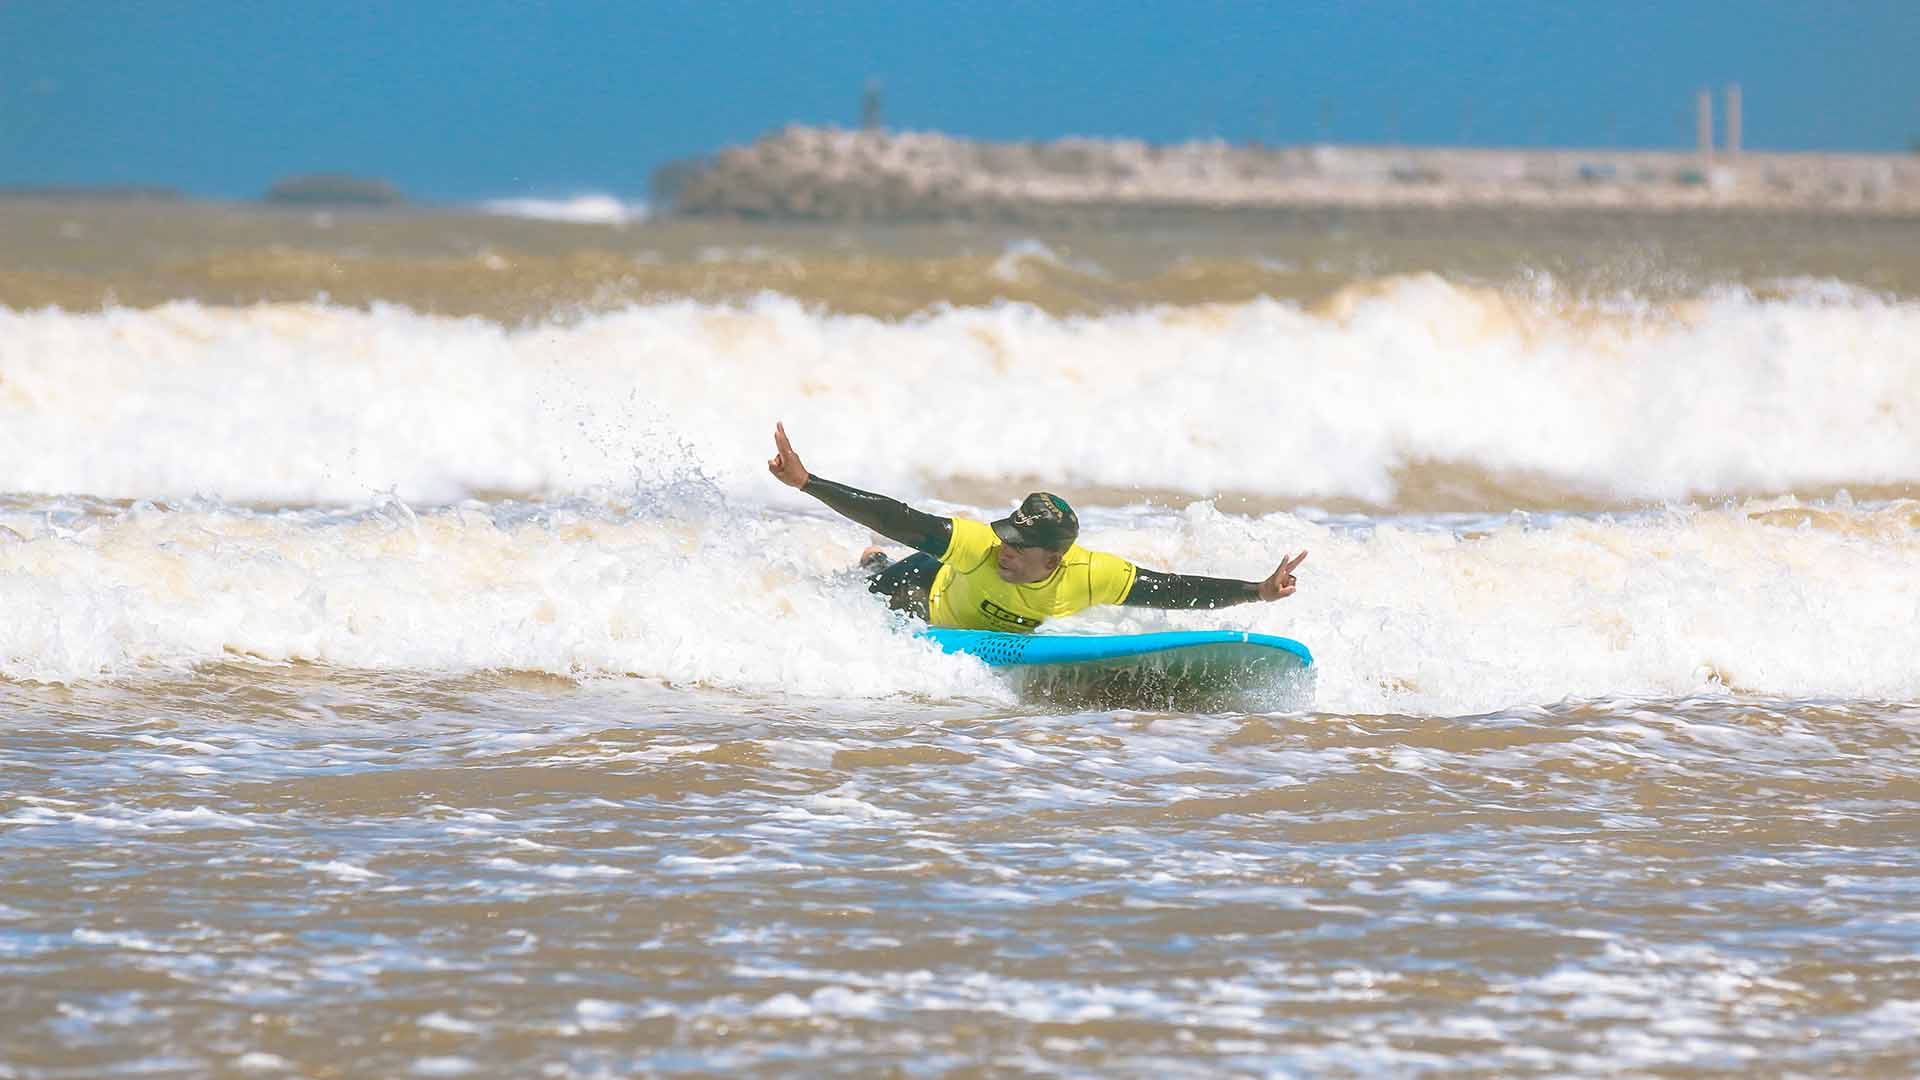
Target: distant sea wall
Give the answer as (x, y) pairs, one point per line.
(833, 174)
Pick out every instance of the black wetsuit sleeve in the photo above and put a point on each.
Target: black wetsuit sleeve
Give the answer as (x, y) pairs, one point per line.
(890, 518)
(1153, 589)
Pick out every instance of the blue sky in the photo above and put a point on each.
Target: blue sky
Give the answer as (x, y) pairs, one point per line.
(457, 99)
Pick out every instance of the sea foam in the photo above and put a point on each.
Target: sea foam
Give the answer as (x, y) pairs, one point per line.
(1769, 599)
(289, 404)
(594, 209)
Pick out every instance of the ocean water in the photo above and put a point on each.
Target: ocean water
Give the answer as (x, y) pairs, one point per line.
(408, 668)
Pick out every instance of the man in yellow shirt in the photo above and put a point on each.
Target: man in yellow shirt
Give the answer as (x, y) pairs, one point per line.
(1017, 572)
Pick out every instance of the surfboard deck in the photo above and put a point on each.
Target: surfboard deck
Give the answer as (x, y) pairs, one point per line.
(1191, 669)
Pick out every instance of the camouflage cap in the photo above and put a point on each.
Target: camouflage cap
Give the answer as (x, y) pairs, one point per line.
(1043, 520)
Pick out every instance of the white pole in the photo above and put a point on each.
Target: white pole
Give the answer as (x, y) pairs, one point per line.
(1703, 122)
(1733, 119)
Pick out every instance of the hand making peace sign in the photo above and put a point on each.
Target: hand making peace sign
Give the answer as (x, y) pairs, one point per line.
(1281, 584)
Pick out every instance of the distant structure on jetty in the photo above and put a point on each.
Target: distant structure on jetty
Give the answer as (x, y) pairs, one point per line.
(834, 174)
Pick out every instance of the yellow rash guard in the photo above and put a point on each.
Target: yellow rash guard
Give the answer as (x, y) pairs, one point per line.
(969, 593)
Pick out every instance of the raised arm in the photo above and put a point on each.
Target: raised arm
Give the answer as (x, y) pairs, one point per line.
(1153, 589)
(890, 518)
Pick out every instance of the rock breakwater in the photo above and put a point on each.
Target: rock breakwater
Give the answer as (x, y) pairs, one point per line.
(833, 174)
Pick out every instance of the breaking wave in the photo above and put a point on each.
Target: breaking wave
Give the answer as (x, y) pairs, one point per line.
(1778, 599)
(1725, 394)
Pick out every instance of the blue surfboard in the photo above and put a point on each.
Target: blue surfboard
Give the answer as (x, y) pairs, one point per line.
(1190, 667)
(1006, 650)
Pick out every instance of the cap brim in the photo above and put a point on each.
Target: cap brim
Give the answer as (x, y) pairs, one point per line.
(1006, 530)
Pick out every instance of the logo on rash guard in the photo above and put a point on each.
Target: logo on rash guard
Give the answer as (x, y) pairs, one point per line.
(995, 611)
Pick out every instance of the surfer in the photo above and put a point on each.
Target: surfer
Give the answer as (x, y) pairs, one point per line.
(1015, 573)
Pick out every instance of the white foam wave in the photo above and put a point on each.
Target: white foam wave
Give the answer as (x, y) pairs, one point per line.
(695, 596)
(1763, 599)
(579, 210)
(1019, 255)
(293, 403)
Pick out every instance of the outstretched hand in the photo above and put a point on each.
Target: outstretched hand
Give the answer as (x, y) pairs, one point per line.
(1281, 584)
(785, 464)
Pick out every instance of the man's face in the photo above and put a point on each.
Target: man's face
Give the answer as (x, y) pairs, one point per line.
(1025, 565)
